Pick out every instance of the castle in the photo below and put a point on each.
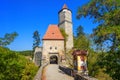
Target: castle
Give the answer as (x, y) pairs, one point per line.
(53, 49)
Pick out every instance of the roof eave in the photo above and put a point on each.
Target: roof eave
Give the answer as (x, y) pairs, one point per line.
(53, 39)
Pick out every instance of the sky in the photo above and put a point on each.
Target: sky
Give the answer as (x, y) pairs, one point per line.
(27, 16)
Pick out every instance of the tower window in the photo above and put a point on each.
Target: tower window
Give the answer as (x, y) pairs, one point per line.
(64, 12)
(55, 48)
(50, 48)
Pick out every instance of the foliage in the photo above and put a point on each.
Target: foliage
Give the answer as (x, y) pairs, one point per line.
(7, 39)
(26, 53)
(92, 63)
(29, 71)
(94, 66)
(36, 37)
(106, 13)
(100, 10)
(101, 75)
(81, 41)
(80, 31)
(13, 66)
(111, 62)
(65, 37)
(69, 59)
(107, 33)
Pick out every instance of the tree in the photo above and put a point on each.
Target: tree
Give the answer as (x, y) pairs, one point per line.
(14, 66)
(81, 41)
(80, 31)
(106, 13)
(36, 38)
(7, 39)
(107, 33)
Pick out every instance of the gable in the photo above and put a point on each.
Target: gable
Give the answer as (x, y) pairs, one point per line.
(53, 33)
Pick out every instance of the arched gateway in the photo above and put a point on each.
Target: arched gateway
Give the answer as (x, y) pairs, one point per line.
(53, 59)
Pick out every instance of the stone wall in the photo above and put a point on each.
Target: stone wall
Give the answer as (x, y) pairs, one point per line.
(52, 47)
(38, 76)
(69, 32)
(37, 56)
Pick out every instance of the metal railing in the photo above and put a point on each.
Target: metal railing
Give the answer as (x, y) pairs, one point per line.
(76, 75)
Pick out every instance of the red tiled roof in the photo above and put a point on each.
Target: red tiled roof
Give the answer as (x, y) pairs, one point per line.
(80, 52)
(64, 6)
(53, 33)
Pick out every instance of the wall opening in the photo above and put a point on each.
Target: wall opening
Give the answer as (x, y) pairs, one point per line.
(53, 59)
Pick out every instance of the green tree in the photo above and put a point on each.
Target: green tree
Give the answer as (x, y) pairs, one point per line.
(7, 39)
(36, 37)
(93, 67)
(81, 41)
(29, 72)
(106, 13)
(14, 66)
(80, 31)
(107, 33)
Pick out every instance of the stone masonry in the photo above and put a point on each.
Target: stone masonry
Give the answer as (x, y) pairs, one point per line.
(65, 22)
(53, 47)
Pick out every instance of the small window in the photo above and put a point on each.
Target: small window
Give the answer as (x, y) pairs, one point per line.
(50, 48)
(55, 47)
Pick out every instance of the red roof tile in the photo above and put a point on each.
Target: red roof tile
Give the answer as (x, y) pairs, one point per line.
(64, 6)
(80, 52)
(53, 33)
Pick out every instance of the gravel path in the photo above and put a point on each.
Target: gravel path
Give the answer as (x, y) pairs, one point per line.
(52, 72)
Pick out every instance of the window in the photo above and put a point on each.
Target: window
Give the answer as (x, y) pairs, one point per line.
(55, 48)
(50, 48)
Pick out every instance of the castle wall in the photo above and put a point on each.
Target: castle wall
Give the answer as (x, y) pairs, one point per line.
(54, 47)
(37, 56)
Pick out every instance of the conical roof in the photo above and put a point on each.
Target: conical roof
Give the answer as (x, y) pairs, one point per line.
(65, 6)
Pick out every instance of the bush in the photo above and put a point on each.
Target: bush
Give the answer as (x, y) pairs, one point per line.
(13, 66)
(29, 71)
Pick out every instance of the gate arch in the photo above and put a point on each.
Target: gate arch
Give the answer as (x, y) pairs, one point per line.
(53, 59)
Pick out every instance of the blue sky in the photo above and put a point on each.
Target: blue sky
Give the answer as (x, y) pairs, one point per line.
(26, 16)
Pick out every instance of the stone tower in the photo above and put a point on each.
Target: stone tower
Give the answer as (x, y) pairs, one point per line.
(65, 22)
